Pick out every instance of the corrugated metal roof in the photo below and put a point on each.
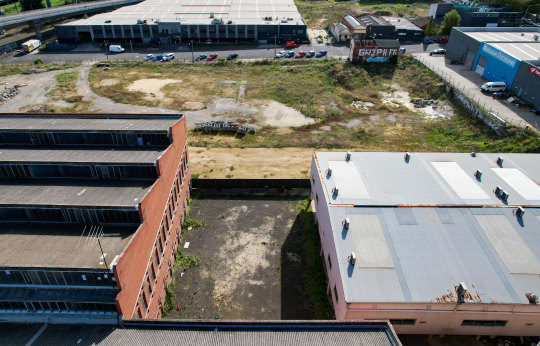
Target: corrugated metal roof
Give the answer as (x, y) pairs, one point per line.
(117, 156)
(359, 334)
(85, 125)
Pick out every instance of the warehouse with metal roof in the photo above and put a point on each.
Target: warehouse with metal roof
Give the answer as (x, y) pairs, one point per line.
(510, 55)
(90, 214)
(439, 243)
(176, 21)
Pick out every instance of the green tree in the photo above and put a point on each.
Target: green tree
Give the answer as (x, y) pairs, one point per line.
(31, 4)
(451, 19)
(429, 28)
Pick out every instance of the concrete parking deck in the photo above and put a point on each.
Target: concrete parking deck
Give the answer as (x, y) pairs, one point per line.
(469, 83)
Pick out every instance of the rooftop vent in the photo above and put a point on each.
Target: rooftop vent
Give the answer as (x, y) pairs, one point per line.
(229, 22)
(211, 14)
(348, 156)
(504, 196)
(533, 298)
(108, 21)
(461, 291)
(478, 174)
(473, 154)
(500, 161)
(335, 191)
(535, 37)
(352, 258)
(346, 223)
(519, 211)
(329, 172)
(407, 156)
(498, 191)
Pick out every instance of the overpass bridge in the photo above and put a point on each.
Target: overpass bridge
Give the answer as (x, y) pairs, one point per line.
(37, 17)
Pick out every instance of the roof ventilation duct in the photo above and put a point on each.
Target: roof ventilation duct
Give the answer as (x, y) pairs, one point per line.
(478, 174)
(407, 156)
(473, 154)
(504, 196)
(328, 172)
(533, 298)
(352, 258)
(461, 291)
(346, 223)
(519, 211)
(500, 161)
(335, 191)
(348, 156)
(498, 191)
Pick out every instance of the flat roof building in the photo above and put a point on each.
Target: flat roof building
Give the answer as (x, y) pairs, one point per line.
(175, 21)
(438, 243)
(90, 214)
(510, 55)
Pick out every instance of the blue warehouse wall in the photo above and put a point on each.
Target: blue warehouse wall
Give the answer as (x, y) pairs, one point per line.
(500, 67)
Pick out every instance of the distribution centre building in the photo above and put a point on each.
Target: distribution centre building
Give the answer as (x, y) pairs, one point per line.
(176, 21)
(438, 243)
(90, 214)
(510, 55)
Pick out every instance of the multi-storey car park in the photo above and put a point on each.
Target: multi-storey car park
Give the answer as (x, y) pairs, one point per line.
(90, 215)
(175, 21)
(438, 243)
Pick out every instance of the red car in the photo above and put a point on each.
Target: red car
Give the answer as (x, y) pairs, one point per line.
(443, 40)
(301, 54)
(290, 44)
(212, 56)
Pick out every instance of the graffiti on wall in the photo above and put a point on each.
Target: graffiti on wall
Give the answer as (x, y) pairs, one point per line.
(371, 51)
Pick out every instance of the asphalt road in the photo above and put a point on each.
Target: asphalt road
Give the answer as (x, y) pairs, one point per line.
(183, 52)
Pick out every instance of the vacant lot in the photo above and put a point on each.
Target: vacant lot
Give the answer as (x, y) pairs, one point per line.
(250, 259)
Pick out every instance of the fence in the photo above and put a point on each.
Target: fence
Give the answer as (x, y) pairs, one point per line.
(472, 101)
(250, 183)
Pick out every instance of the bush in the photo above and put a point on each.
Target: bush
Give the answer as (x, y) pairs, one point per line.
(38, 61)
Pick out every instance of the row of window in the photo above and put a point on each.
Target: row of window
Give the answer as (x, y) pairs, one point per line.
(56, 278)
(71, 215)
(163, 236)
(78, 171)
(56, 307)
(131, 138)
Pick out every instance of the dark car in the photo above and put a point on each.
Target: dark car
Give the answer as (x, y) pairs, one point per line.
(232, 56)
(321, 53)
(212, 56)
(158, 57)
(438, 52)
(310, 54)
(289, 54)
(201, 57)
(428, 41)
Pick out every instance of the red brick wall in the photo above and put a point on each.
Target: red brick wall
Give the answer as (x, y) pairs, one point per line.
(134, 267)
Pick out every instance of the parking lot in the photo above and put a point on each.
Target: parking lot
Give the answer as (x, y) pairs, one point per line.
(469, 83)
(252, 261)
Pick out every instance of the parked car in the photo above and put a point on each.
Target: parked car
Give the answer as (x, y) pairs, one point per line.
(289, 54)
(443, 40)
(321, 53)
(300, 54)
(310, 54)
(158, 57)
(493, 86)
(168, 56)
(281, 54)
(114, 48)
(437, 52)
(428, 41)
(232, 56)
(403, 50)
(149, 57)
(212, 56)
(201, 57)
(290, 44)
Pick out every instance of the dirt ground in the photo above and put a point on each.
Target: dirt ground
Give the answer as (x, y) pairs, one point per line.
(250, 263)
(250, 162)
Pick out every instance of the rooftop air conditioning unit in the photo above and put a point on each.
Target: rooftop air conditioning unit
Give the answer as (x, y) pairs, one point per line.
(504, 196)
(520, 211)
(329, 172)
(335, 190)
(407, 156)
(500, 160)
(473, 154)
(478, 174)
(346, 223)
(348, 156)
(498, 191)
(352, 258)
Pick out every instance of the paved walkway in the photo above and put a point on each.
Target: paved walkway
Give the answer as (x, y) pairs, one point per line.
(469, 83)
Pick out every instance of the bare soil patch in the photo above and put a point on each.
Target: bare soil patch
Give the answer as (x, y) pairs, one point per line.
(152, 87)
(278, 114)
(108, 82)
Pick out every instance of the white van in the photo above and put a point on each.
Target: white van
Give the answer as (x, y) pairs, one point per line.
(493, 86)
(168, 56)
(113, 48)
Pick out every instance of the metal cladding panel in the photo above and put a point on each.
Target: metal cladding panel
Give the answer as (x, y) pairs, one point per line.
(514, 252)
(527, 82)
(368, 241)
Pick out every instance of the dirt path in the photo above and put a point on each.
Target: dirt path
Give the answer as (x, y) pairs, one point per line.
(250, 162)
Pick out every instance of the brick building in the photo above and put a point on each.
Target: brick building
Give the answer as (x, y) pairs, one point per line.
(90, 215)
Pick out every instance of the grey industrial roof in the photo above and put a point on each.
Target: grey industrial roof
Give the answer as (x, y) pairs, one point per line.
(190, 12)
(401, 23)
(60, 246)
(214, 334)
(521, 51)
(117, 156)
(369, 19)
(353, 22)
(82, 124)
(57, 193)
(502, 36)
(458, 230)
(429, 179)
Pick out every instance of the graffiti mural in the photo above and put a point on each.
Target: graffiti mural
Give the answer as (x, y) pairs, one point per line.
(373, 51)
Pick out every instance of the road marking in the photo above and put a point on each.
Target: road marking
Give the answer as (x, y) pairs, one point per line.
(38, 333)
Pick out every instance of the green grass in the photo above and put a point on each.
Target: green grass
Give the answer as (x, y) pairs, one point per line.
(12, 69)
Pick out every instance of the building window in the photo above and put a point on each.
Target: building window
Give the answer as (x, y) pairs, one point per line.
(148, 287)
(163, 235)
(152, 272)
(329, 262)
(160, 248)
(409, 322)
(156, 257)
(335, 293)
(484, 323)
(144, 303)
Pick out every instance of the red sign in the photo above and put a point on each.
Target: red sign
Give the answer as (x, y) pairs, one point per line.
(534, 70)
